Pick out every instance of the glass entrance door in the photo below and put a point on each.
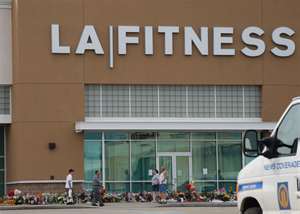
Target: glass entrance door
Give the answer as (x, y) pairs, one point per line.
(182, 172)
(178, 167)
(167, 162)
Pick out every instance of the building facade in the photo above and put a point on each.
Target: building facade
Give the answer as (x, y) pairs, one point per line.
(128, 86)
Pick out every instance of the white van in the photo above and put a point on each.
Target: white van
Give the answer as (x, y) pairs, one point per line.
(270, 182)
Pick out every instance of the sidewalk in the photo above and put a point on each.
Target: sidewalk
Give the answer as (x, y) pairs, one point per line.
(201, 204)
(121, 204)
(37, 207)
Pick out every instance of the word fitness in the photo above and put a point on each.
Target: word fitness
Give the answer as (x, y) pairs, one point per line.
(254, 45)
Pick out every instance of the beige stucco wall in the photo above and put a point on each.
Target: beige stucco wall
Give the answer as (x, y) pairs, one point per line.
(48, 89)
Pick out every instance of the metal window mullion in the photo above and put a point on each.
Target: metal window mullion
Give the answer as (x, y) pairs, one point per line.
(130, 170)
(217, 156)
(174, 172)
(5, 178)
(10, 101)
(103, 159)
(101, 98)
(129, 100)
(187, 101)
(191, 158)
(244, 115)
(243, 156)
(215, 93)
(158, 102)
(156, 152)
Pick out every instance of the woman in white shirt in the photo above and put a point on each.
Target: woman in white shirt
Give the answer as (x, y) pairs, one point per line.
(155, 184)
(163, 184)
(69, 186)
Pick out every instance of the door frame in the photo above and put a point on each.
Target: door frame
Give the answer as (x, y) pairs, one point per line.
(173, 155)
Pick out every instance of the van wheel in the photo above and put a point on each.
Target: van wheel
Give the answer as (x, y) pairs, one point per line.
(253, 210)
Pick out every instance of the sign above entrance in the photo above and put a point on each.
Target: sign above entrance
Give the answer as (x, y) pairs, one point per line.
(255, 46)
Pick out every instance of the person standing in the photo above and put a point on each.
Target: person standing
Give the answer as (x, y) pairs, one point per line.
(96, 188)
(163, 185)
(69, 186)
(155, 184)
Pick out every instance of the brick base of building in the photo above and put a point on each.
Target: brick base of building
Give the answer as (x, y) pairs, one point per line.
(32, 188)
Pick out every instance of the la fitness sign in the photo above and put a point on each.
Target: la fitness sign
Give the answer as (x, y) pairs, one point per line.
(255, 46)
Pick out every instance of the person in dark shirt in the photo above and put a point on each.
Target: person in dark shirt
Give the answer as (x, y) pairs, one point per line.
(96, 188)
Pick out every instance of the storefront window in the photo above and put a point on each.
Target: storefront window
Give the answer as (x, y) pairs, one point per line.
(117, 156)
(118, 187)
(212, 154)
(206, 186)
(230, 155)
(173, 142)
(92, 155)
(1, 144)
(204, 160)
(2, 162)
(230, 136)
(142, 155)
(117, 160)
(229, 187)
(166, 162)
(116, 135)
(204, 156)
(141, 186)
(1, 183)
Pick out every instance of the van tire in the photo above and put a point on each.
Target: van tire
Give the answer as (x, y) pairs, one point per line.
(253, 210)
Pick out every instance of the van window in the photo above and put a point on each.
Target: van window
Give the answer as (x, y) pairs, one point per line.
(289, 129)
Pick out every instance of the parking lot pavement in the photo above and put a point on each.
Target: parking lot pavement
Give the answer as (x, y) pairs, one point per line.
(131, 209)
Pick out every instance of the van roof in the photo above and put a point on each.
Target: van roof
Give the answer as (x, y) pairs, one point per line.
(296, 98)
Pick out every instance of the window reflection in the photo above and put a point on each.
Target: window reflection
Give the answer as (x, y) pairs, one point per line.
(216, 157)
(117, 160)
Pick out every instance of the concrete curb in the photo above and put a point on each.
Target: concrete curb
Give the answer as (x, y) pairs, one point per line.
(201, 204)
(37, 207)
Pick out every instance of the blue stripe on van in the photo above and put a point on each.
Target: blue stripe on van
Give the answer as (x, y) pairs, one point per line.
(250, 186)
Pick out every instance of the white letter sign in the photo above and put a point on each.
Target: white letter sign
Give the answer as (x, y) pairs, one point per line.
(219, 39)
(55, 43)
(168, 31)
(148, 40)
(124, 39)
(247, 39)
(89, 41)
(279, 40)
(191, 37)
